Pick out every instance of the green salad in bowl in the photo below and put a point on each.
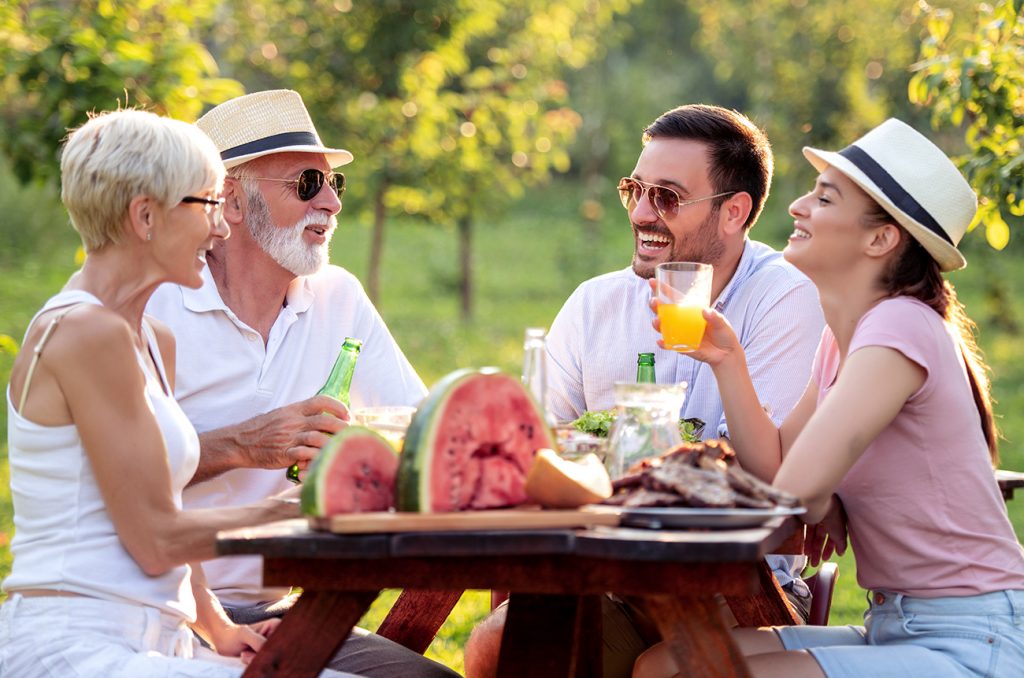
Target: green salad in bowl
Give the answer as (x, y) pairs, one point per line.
(599, 423)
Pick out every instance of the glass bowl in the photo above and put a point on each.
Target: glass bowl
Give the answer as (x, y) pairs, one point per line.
(390, 421)
(574, 444)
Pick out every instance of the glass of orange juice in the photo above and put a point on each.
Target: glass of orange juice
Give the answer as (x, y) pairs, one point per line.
(684, 291)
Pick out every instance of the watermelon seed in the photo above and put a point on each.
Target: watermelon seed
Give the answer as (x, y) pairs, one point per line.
(492, 450)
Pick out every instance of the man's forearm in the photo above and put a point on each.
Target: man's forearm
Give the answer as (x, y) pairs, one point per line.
(219, 451)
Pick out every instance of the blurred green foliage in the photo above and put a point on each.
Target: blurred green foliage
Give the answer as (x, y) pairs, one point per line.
(61, 59)
(973, 78)
(814, 73)
(451, 107)
(454, 108)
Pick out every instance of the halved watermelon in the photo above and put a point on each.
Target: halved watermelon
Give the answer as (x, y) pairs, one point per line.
(354, 472)
(470, 444)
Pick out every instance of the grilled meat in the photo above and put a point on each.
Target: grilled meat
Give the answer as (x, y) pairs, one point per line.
(698, 475)
(695, 486)
(751, 486)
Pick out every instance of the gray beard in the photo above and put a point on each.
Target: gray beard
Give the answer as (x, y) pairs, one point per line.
(285, 244)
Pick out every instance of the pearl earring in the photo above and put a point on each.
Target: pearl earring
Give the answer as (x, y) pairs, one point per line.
(149, 236)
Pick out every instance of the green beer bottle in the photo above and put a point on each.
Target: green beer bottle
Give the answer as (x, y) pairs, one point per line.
(645, 369)
(337, 384)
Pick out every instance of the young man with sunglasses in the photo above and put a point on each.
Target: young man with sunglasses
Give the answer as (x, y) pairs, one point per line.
(259, 338)
(698, 187)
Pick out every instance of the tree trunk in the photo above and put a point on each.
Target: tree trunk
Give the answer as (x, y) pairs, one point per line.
(466, 265)
(377, 243)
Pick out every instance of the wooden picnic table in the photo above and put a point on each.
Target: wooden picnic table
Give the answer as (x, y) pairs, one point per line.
(556, 577)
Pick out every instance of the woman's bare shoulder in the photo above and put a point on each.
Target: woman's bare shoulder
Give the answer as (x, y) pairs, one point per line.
(87, 332)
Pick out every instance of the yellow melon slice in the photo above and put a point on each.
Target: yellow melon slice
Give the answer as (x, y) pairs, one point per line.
(559, 483)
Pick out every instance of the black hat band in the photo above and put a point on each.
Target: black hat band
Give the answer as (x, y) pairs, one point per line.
(892, 190)
(271, 143)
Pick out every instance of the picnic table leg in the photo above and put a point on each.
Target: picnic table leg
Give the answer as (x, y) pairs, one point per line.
(416, 616)
(767, 607)
(319, 622)
(698, 638)
(588, 645)
(546, 625)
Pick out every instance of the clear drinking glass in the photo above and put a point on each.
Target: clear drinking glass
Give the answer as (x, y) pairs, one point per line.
(684, 291)
(647, 423)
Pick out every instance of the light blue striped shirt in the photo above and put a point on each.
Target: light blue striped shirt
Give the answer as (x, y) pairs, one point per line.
(606, 322)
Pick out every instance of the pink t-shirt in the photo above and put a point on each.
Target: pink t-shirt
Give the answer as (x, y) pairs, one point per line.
(926, 517)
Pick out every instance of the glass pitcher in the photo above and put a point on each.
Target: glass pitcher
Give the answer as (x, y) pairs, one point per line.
(646, 423)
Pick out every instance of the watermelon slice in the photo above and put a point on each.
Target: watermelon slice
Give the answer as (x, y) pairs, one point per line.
(354, 472)
(470, 444)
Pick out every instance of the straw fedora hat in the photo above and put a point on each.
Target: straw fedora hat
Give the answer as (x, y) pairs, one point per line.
(274, 121)
(913, 181)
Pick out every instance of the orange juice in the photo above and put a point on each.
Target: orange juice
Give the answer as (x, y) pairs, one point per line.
(682, 327)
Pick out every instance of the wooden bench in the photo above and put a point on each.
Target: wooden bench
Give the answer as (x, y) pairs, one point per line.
(1008, 482)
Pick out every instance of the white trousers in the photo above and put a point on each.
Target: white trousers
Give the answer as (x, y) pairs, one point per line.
(91, 638)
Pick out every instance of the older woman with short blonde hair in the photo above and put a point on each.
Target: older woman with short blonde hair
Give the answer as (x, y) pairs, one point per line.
(99, 450)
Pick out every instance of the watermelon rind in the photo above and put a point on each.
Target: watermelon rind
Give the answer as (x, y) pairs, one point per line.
(313, 493)
(413, 490)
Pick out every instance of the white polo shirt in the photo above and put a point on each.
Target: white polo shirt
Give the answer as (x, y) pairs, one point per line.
(225, 375)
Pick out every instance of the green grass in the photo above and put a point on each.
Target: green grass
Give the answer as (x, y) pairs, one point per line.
(528, 259)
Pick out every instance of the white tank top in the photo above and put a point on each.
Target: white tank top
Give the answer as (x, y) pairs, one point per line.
(64, 539)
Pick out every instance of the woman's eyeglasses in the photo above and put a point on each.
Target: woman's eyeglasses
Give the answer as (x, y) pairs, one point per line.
(214, 208)
(666, 202)
(310, 182)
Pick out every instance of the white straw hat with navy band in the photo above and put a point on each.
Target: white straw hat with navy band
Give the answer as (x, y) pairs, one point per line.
(914, 181)
(274, 121)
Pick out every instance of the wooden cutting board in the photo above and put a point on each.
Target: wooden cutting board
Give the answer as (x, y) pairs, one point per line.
(501, 519)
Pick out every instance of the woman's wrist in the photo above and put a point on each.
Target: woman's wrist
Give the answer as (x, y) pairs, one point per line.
(732, 363)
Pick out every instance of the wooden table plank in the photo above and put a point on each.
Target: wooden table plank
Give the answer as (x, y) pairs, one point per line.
(294, 539)
(316, 610)
(587, 661)
(535, 574)
(539, 634)
(767, 607)
(416, 616)
(697, 636)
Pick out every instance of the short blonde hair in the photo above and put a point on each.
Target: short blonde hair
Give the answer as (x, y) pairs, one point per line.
(119, 155)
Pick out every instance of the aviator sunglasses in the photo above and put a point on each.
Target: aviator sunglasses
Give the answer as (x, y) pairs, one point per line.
(310, 182)
(666, 202)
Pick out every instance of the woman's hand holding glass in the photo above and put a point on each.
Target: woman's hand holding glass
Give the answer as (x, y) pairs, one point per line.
(719, 341)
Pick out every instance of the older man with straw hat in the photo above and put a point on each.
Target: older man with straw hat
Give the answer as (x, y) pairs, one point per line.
(258, 339)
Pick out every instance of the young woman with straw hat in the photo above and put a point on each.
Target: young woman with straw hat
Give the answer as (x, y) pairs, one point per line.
(893, 442)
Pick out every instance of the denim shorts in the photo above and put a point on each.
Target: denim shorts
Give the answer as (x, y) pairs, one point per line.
(903, 637)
